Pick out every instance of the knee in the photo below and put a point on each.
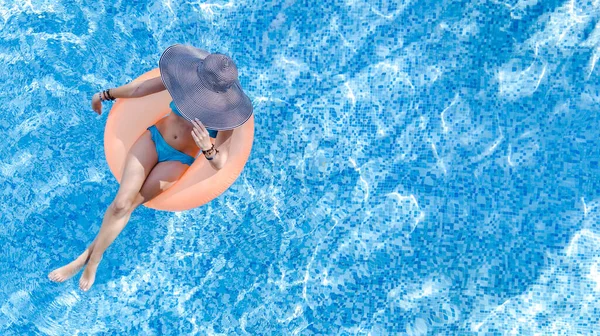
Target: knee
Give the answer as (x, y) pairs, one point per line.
(122, 205)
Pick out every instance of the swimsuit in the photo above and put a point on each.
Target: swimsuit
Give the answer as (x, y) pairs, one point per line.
(211, 133)
(165, 151)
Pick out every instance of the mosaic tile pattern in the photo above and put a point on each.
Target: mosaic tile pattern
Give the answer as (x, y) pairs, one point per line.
(419, 168)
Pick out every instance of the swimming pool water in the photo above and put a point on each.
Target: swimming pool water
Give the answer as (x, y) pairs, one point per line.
(419, 167)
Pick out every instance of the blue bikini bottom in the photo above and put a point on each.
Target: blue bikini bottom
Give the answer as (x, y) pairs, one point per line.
(165, 151)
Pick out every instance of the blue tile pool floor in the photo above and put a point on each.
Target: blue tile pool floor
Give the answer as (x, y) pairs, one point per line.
(419, 168)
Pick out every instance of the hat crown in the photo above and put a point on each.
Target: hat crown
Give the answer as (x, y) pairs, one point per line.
(218, 71)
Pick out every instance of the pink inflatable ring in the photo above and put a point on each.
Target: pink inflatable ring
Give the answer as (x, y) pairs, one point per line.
(128, 120)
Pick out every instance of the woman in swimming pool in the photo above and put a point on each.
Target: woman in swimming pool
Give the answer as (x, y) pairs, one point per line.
(208, 101)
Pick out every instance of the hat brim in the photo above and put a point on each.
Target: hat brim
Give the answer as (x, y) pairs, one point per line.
(216, 110)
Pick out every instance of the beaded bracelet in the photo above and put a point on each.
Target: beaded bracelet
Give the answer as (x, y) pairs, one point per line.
(109, 95)
(210, 152)
(105, 95)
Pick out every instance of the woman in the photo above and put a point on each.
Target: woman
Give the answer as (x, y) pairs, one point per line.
(207, 102)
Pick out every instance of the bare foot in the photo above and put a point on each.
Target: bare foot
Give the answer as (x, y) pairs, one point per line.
(89, 275)
(66, 272)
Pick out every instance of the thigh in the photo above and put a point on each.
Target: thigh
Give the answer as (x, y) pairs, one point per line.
(140, 160)
(162, 176)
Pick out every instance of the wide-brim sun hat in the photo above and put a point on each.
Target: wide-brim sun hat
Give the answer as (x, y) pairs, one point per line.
(205, 86)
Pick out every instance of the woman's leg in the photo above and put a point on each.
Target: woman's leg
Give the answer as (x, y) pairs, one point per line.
(162, 176)
(138, 164)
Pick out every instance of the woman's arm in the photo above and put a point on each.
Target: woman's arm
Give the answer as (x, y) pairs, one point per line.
(219, 156)
(139, 89)
(131, 90)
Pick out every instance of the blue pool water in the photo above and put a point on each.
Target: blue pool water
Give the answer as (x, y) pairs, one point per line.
(419, 167)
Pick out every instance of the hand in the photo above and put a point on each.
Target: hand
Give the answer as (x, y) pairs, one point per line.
(200, 135)
(96, 103)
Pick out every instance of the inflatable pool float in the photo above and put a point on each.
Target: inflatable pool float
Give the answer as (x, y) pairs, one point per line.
(128, 120)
